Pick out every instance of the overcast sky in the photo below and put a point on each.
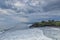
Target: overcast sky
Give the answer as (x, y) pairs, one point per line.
(26, 11)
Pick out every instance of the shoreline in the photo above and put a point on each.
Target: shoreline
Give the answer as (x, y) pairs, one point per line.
(47, 26)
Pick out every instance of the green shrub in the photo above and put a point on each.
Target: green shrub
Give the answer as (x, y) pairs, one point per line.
(45, 23)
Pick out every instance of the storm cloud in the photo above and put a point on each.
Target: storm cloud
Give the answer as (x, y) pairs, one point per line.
(27, 11)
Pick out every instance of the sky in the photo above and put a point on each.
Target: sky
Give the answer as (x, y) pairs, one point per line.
(27, 11)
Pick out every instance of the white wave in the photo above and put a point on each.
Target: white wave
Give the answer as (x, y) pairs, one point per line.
(28, 34)
(52, 32)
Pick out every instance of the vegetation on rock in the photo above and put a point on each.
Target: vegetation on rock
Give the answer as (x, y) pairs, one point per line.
(46, 23)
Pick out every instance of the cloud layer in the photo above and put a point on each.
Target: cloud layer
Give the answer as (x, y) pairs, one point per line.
(27, 11)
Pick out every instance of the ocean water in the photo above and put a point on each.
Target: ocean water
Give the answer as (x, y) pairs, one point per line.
(42, 33)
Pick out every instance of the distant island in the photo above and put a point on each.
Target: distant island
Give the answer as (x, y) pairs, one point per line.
(51, 23)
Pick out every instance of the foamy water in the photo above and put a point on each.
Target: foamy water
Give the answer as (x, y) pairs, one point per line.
(45, 33)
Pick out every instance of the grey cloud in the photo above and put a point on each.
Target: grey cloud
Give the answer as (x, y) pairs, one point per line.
(55, 5)
(28, 11)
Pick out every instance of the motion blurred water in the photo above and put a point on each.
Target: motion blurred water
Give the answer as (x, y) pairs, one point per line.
(52, 32)
(21, 33)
